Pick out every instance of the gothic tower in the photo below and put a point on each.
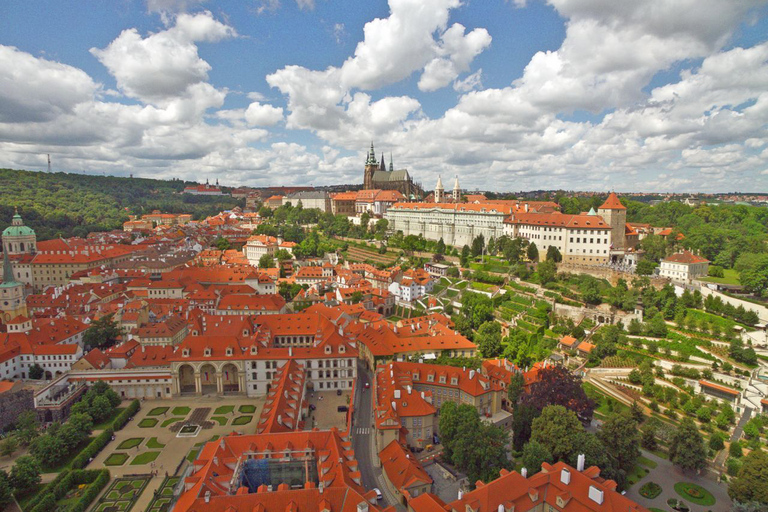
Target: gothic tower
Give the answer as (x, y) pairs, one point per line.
(615, 215)
(456, 190)
(12, 303)
(371, 166)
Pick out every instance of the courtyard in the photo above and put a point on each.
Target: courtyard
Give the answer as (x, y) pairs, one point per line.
(326, 412)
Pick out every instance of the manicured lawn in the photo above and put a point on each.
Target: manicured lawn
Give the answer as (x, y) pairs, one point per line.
(164, 495)
(130, 443)
(147, 423)
(653, 509)
(116, 459)
(646, 462)
(247, 409)
(181, 411)
(192, 455)
(224, 409)
(121, 495)
(157, 411)
(730, 276)
(154, 444)
(144, 458)
(171, 421)
(221, 420)
(695, 494)
(108, 422)
(242, 420)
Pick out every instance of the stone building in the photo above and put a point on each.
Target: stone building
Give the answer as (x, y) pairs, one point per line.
(376, 176)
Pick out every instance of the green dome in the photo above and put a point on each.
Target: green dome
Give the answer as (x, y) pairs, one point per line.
(18, 231)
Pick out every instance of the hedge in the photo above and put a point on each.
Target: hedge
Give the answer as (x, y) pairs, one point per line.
(36, 500)
(66, 481)
(93, 449)
(127, 414)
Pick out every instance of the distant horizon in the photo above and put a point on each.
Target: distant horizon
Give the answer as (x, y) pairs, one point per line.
(341, 185)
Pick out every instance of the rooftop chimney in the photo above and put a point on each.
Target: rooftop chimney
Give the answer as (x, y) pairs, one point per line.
(524, 472)
(565, 476)
(581, 459)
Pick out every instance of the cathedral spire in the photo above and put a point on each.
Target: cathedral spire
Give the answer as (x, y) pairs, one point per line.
(391, 164)
(383, 165)
(7, 270)
(371, 157)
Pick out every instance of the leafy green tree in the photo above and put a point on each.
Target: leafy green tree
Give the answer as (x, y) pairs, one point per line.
(556, 429)
(534, 454)
(6, 493)
(478, 244)
(8, 446)
(27, 427)
(716, 441)
(515, 388)
(465, 255)
(222, 244)
(753, 272)
(532, 252)
(25, 474)
(440, 249)
(547, 271)
(266, 261)
(621, 437)
(522, 422)
(488, 339)
(553, 254)
(735, 450)
(103, 332)
(36, 372)
(686, 449)
(751, 484)
(558, 386)
(645, 267)
(49, 449)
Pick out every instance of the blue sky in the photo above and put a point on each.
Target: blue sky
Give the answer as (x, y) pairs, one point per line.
(660, 95)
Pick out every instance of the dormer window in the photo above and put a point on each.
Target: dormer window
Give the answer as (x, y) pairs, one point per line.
(430, 378)
(254, 349)
(207, 352)
(342, 349)
(416, 376)
(327, 349)
(454, 381)
(229, 351)
(185, 352)
(442, 379)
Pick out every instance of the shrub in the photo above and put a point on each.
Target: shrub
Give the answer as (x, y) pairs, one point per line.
(650, 490)
(93, 449)
(127, 414)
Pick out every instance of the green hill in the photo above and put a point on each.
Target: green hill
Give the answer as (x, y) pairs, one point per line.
(61, 204)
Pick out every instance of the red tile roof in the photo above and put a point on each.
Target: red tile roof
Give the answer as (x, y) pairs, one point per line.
(612, 203)
(686, 257)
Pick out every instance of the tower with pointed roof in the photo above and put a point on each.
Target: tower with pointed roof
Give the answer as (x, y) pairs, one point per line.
(12, 303)
(18, 238)
(456, 190)
(371, 166)
(615, 215)
(439, 191)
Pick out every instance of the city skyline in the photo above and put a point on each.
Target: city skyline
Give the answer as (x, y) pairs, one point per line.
(509, 95)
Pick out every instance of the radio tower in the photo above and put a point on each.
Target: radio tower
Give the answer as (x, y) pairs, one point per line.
(49, 162)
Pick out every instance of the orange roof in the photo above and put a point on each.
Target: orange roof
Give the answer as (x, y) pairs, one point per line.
(686, 257)
(568, 341)
(344, 196)
(402, 469)
(585, 346)
(612, 203)
(6, 385)
(718, 387)
(557, 219)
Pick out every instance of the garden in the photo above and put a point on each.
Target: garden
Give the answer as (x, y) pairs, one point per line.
(163, 496)
(695, 494)
(122, 494)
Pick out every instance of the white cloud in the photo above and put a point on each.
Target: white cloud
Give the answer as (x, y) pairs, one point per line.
(470, 83)
(263, 115)
(163, 65)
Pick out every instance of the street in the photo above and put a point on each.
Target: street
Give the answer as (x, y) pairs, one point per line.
(363, 441)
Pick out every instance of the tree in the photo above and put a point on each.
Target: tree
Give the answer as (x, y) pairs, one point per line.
(488, 339)
(556, 429)
(534, 454)
(645, 267)
(515, 388)
(553, 254)
(751, 484)
(27, 427)
(36, 372)
(637, 412)
(532, 252)
(49, 449)
(547, 271)
(222, 244)
(82, 424)
(686, 448)
(478, 244)
(753, 272)
(100, 408)
(6, 493)
(25, 474)
(103, 332)
(8, 446)
(465, 255)
(716, 441)
(522, 422)
(558, 386)
(440, 249)
(622, 439)
(266, 261)
(736, 450)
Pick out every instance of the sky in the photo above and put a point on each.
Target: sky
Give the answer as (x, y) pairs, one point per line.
(508, 95)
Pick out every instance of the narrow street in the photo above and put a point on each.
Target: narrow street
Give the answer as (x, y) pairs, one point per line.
(363, 441)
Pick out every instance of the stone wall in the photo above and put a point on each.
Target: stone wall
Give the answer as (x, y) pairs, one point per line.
(13, 403)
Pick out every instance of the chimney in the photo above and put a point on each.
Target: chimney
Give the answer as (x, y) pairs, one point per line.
(595, 494)
(471, 374)
(565, 476)
(409, 389)
(580, 462)
(524, 472)
(207, 496)
(461, 493)
(397, 393)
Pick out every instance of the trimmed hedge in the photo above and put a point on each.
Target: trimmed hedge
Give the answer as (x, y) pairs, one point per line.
(93, 449)
(67, 480)
(127, 414)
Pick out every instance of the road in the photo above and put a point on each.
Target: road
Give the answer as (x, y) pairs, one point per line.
(363, 441)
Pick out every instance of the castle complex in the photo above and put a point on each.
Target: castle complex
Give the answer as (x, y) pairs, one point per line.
(377, 177)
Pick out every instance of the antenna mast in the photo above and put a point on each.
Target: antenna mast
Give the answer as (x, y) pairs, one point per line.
(49, 162)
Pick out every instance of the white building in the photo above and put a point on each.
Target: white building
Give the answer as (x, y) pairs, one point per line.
(259, 245)
(684, 267)
(579, 238)
(310, 199)
(414, 285)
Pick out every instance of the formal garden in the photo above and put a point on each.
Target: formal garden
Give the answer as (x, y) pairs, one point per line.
(122, 494)
(161, 501)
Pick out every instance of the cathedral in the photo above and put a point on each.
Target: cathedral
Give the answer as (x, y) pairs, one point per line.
(377, 177)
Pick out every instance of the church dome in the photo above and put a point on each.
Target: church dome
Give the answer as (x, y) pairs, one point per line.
(17, 228)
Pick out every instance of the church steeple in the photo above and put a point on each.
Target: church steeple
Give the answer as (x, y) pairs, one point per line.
(371, 157)
(391, 163)
(7, 270)
(439, 191)
(383, 165)
(456, 190)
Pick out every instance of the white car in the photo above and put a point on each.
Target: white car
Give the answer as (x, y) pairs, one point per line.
(379, 496)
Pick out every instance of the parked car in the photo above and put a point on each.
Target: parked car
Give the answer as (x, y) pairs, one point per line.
(379, 496)
(338, 392)
(342, 408)
(367, 385)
